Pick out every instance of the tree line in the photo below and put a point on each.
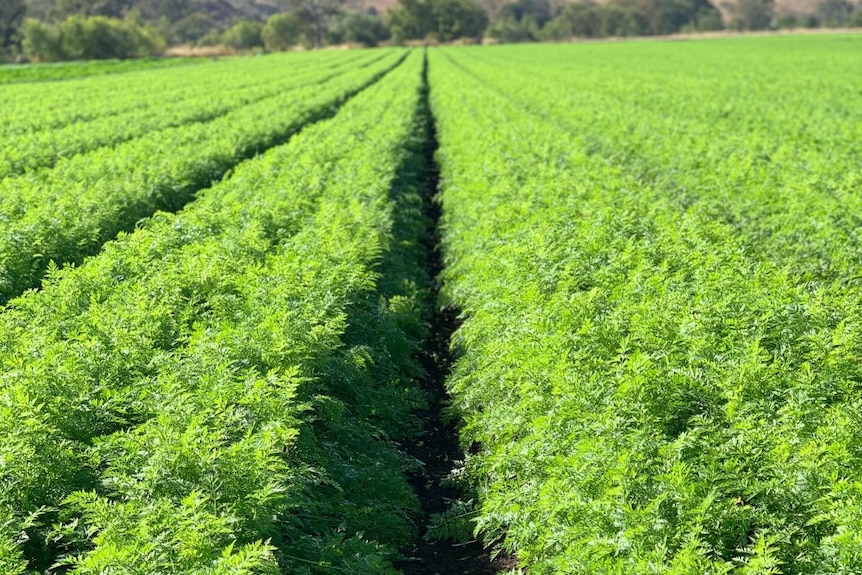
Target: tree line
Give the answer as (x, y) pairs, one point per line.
(57, 30)
(536, 20)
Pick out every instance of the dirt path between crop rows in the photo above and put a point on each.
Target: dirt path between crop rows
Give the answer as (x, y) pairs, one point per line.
(440, 452)
(439, 449)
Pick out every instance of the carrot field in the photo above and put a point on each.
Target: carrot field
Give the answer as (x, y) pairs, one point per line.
(243, 303)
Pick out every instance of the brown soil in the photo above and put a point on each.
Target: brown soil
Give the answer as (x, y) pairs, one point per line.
(186, 51)
(438, 448)
(440, 452)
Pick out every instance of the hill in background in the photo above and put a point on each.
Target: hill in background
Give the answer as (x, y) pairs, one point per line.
(57, 30)
(220, 11)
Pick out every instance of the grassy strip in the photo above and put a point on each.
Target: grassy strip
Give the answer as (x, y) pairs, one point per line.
(67, 70)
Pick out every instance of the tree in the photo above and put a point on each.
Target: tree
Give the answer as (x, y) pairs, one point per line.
(410, 20)
(82, 38)
(358, 28)
(538, 10)
(446, 20)
(283, 31)
(12, 14)
(456, 19)
(243, 35)
(834, 12)
(108, 8)
(190, 28)
(172, 10)
(41, 40)
(580, 19)
(705, 19)
(753, 14)
(520, 21)
(626, 18)
(512, 30)
(318, 12)
(39, 9)
(670, 16)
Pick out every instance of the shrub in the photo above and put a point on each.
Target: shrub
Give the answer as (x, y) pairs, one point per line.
(358, 28)
(410, 19)
(444, 20)
(283, 31)
(459, 19)
(753, 14)
(834, 13)
(41, 41)
(707, 19)
(513, 30)
(622, 18)
(11, 17)
(521, 21)
(243, 35)
(670, 16)
(89, 38)
(583, 19)
(632, 18)
(191, 28)
(787, 21)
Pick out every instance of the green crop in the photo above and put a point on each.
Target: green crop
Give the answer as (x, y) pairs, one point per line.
(40, 106)
(221, 390)
(185, 101)
(67, 70)
(68, 212)
(654, 248)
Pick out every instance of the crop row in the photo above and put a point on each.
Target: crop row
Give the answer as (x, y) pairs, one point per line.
(198, 103)
(42, 72)
(36, 107)
(68, 212)
(219, 391)
(658, 270)
(802, 170)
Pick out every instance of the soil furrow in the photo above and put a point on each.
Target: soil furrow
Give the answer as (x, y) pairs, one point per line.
(438, 448)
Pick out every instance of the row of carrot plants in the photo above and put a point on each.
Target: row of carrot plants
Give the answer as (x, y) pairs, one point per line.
(63, 214)
(221, 390)
(196, 102)
(15, 73)
(785, 163)
(36, 107)
(658, 271)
